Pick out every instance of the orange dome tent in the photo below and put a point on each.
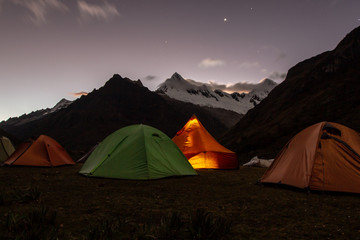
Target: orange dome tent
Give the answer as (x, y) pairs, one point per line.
(201, 149)
(44, 151)
(324, 156)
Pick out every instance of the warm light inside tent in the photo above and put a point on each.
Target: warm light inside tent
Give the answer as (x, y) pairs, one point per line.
(204, 160)
(193, 121)
(201, 149)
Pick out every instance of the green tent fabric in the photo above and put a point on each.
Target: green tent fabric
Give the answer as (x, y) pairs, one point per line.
(6, 148)
(137, 152)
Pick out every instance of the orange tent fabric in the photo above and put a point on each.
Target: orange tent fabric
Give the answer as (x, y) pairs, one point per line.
(44, 151)
(201, 149)
(324, 156)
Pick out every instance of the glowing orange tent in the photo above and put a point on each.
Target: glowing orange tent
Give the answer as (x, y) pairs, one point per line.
(324, 156)
(201, 149)
(44, 151)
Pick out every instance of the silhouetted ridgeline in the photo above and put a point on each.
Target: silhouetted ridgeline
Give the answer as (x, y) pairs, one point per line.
(120, 102)
(322, 88)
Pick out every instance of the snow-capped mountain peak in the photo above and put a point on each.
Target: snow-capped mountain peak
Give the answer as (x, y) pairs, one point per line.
(177, 82)
(63, 103)
(177, 76)
(207, 95)
(35, 115)
(266, 83)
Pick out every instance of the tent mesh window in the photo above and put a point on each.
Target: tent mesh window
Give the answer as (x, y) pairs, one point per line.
(155, 135)
(331, 129)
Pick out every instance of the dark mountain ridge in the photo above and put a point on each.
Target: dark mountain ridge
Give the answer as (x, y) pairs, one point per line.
(120, 102)
(35, 115)
(13, 139)
(323, 88)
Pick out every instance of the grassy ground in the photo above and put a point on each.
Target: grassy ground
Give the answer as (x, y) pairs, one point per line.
(74, 205)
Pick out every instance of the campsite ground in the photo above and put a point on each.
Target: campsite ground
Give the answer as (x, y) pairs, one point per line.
(256, 211)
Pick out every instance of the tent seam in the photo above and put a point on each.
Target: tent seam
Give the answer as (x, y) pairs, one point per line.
(47, 152)
(146, 151)
(23, 152)
(107, 156)
(316, 154)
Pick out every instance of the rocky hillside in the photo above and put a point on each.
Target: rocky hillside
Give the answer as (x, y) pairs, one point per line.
(322, 88)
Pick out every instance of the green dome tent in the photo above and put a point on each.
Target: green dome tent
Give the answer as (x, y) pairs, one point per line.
(137, 152)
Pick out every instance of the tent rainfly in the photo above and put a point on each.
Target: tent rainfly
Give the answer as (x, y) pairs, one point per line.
(138, 152)
(43, 152)
(201, 149)
(6, 148)
(324, 157)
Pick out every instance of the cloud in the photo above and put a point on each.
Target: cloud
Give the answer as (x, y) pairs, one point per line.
(104, 12)
(247, 65)
(268, 50)
(214, 85)
(281, 56)
(40, 8)
(238, 87)
(277, 76)
(210, 62)
(79, 94)
(241, 87)
(150, 77)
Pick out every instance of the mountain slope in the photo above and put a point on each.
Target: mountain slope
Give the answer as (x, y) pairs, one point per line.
(120, 102)
(36, 115)
(13, 139)
(322, 88)
(201, 94)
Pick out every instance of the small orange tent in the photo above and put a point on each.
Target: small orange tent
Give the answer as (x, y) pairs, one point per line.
(201, 149)
(324, 156)
(44, 151)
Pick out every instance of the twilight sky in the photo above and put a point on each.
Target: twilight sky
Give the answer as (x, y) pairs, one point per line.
(51, 49)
